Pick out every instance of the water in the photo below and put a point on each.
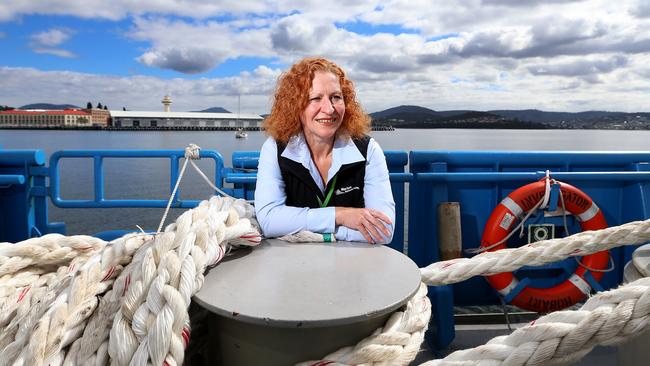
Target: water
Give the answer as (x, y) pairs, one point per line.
(149, 178)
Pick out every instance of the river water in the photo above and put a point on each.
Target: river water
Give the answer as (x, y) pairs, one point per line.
(149, 178)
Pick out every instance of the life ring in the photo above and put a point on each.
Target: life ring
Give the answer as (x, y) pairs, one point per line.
(503, 219)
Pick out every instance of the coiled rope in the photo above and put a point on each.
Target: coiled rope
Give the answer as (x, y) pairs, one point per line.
(619, 314)
(79, 300)
(535, 254)
(559, 338)
(67, 319)
(144, 305)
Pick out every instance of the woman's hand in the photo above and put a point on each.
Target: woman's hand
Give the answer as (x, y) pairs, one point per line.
(367, 221)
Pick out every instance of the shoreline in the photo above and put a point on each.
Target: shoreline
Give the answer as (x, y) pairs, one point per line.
(183, 128)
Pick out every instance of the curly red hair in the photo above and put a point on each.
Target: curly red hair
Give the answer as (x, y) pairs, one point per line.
(292, 96)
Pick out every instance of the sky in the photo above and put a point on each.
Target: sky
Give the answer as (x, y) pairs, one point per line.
(554, 55)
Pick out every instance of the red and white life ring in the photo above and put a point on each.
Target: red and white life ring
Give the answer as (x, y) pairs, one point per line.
(503, 219)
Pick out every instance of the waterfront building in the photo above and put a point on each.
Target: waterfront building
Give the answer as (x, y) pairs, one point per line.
(98, 117)
(184, 120)
(45, 118)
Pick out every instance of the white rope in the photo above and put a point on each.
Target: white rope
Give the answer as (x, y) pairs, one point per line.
(308, 237)
(152, 324)
(396, 343)
(608, 318)
(62, 318)
(143, 306)
(536, 254)
(539, 353)
(146, 305)
(191, 152)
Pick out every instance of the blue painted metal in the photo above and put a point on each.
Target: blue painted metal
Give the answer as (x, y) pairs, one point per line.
(553, 197)
(518, 288)
(98, 156)
(243, 173)
(9, 179)
(23, 205)
(21, 157)
(617, 181)
(396, 162)
(533, 176)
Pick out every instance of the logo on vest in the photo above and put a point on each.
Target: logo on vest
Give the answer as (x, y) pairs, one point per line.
(344, 190)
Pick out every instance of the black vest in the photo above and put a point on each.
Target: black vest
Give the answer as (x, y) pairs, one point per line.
(302, 191)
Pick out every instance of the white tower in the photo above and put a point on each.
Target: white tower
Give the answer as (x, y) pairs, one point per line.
(167, 102)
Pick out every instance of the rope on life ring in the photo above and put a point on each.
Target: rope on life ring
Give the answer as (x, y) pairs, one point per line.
(503, 219)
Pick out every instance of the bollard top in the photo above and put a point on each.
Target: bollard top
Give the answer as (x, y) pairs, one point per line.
(309, 284)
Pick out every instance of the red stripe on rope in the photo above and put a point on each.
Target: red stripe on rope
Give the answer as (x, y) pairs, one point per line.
(322, 363)
(127, 282)
(22, 294)
(109, 273)
(186, 336)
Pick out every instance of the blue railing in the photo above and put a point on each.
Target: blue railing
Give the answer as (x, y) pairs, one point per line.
(100, 200)
(23, 196)
(242, 176)
(618, 182)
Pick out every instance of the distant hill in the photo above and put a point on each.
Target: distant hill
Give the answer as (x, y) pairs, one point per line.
(48, 106)
(407, 116)
(215, 110)
(535, 115)
(401, 110)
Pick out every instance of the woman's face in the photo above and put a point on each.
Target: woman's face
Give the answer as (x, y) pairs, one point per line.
(325, 110)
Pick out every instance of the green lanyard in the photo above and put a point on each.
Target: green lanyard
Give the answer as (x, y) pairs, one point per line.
(329, 194)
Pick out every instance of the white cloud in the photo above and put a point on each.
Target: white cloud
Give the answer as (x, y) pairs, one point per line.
(506, 53)
(641, 9)
(54, 51)
(196, 47)
(46, 42)
(27, 85)
(52, 37)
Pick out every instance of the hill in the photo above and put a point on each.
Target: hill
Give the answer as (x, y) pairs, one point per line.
(403, 110)
(215, 110)
(535, 115)
(420, 117)
(48, 106)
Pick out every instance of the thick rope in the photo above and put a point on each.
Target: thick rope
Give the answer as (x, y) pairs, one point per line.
(51, 250)
(456, 270)
(148, 300)
(608, 318)
(308, 237)
(58, 321)
(535, 254)
(152, 324)
(145, 308)
(31, 278)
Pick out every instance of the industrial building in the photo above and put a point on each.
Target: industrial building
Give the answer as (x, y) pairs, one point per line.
(183, 120)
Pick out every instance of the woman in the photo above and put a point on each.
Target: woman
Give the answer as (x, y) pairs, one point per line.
(318, 171)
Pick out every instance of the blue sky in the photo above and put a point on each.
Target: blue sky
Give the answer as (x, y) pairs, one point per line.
(467, 54)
